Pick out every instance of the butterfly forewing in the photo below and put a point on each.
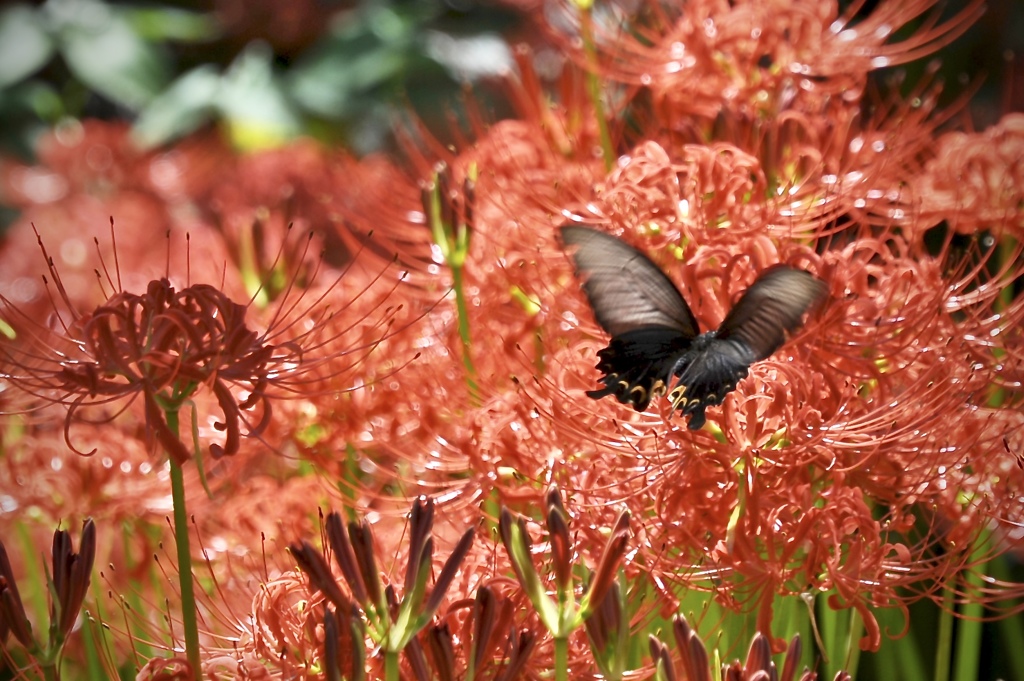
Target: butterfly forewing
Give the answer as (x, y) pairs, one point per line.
(625, 289)
(771, 307)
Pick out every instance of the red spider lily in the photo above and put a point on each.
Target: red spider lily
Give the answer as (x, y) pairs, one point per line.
(819, 466)
(853, 417)
(815, 453)
(164, 345)
(860, 462)
(283, 620)
(165, 669)
(974, 177)
(701, 58)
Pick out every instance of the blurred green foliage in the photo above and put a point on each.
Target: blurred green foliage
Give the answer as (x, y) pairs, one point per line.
(175, 69)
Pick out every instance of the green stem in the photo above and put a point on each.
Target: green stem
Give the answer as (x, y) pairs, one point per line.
(853, 643)
(1010, 628)
(181, 541)
(968, 639)
(250, 268)
(944, 647)
(91, 641)
(828, 626)
(391, 665)
(50, 672)
(35, 572)
(463, 313)
(133, 597)
(562, 658)
(594, 85)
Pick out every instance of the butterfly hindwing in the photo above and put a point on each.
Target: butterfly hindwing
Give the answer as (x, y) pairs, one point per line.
(771, 307)
(637, 365)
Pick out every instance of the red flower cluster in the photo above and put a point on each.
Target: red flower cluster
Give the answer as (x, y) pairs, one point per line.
(868, 460)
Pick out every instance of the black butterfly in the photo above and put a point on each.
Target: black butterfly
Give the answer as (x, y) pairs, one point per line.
(655, 336)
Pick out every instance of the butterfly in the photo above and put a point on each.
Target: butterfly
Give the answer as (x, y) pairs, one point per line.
(655, 337)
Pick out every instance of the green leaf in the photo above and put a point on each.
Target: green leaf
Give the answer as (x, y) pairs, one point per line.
(371, 50)
(253, 101)
(184, 106)
(28, 110)
(336, 73)
(24, 44)
(103, 51)
(169, 23)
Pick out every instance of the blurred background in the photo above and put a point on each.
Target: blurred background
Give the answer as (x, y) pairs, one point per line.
(266, 71)
(338, 70)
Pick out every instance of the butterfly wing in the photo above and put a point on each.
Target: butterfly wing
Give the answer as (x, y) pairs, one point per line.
(771, 308)
(625, 289)
(753, 330)
(639, 306)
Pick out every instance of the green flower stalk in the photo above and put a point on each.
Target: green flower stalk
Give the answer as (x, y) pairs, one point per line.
(595, 85)
(68, 582)
(451, 218)
(390, 623)
(562, 615)
(608, 630)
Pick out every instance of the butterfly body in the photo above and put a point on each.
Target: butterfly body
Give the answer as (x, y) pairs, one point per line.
(656, 347)
(651, 363)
